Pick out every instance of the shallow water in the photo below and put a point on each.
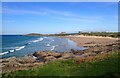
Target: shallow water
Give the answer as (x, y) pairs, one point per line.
(16, 45)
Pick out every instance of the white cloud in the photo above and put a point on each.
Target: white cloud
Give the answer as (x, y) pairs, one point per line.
(63, 13)
(15, 11)
(82, 20)
(60, 15)
(70, 16)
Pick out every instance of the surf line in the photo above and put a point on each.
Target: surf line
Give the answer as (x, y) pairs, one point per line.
(13, 50)
(50, 43)
(37, 40)
(53, 48)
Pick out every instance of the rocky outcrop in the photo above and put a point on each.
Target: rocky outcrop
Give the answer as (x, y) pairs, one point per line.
(45, 54)
(67, 55)
(49, 59)
(23, 63)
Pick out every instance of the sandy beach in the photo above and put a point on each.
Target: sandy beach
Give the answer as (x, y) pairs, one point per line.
(86, 41)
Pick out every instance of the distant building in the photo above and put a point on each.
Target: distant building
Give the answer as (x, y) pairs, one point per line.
(80, 32)
(63, 33)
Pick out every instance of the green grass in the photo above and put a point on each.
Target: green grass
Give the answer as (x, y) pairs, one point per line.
(103, 34)
(106, 67)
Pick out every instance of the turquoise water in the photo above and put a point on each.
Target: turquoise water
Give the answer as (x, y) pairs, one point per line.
(17, 45)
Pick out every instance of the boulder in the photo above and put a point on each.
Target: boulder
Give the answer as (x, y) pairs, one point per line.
(67, 55)
(42, 55)
(80, 53)
(92, 54)
(11, 59)
(49, 59)
(97, 51)
(26, 59)
(85, 55)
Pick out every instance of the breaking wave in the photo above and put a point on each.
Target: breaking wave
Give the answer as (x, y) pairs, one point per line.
(38, 40)
(49, 43)
(4, 53)
(12, 50)
(19, 48)
(53, 47)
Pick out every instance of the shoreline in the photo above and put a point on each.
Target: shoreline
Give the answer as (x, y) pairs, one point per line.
(96, 46)
(90, 41)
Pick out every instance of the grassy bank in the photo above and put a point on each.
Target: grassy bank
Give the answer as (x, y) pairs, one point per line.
(101, 65)
(103, 34)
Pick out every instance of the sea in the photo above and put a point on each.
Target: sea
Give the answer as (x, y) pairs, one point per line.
(19, 45)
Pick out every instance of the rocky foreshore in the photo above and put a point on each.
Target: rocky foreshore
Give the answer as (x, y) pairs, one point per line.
(41, 58)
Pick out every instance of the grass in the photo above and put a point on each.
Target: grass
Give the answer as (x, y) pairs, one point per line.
(103, 34)
(100, 67)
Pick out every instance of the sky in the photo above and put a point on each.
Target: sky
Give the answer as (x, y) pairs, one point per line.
(56, 17)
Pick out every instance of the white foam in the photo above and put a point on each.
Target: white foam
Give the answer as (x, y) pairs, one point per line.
(39, 39)
(34, 57)
(45, 37)
(29, 43)
(4, 53)
(53, 47)
(53, 40)
(48, 45)
(20, 48)
(11, 50)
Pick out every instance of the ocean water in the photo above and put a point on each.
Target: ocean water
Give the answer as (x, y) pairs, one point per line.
(17, 45)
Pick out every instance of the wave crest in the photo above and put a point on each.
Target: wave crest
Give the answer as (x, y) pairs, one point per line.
(17, 49)
(4, 53)
(38, 40)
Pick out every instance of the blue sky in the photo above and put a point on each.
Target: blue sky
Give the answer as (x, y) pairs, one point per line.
(56, 17)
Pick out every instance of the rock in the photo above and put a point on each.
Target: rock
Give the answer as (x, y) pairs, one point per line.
(11, 59)
(109, 44)
(78, 56)
(61, 58)
(42, 55)
(102, 52)
(47, 56)
(97, 51)
(85, 55)
(89, 45)
(49, 59)
(4, 61)
(72, 50)
(67, 55)
(81, 53)
(26, 59)
(58, 56)
(92, 54)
